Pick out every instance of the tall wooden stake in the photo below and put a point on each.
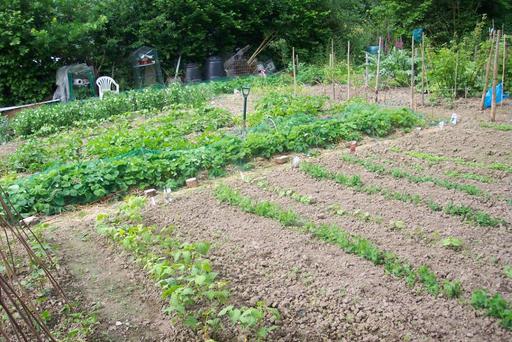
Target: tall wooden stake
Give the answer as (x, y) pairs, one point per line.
(348, 71)
(366, 74)
(422, 69)
(456, 76)
(333, 61)
(377, 74)
(412, 73)
(495, 76)
(294, 72)
(504, 67)
(487, 71)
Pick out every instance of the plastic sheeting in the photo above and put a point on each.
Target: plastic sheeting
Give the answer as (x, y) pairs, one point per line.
(64, 92)
(500, 95)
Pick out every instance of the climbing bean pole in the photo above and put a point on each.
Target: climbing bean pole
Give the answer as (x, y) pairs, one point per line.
(495, 76)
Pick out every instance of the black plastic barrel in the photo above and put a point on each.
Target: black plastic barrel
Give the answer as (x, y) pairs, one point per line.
(214, 68)
(192, 73)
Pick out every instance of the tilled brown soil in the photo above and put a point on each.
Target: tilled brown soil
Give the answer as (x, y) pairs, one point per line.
(414, 243)
(322, 292)
(495, 184)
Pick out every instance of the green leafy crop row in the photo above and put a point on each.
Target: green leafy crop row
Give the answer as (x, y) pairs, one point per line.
(80, 182)
(496, 306)
(120, 136)
(46, 120)
(469, 214)
(192, 289)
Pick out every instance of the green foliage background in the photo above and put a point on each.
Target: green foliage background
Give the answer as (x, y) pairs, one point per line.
(38, 36)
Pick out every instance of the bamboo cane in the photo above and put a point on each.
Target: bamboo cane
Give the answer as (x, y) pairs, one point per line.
(294, 72)
(487, 71)
(333, 61)
(412, 72)
(366, 74)
(456, 76)
(504, 67)
(423, 69)
(378, 72)
(495, 76)
(348, 71)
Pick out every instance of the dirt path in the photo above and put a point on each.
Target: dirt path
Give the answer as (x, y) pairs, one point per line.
(129, 307)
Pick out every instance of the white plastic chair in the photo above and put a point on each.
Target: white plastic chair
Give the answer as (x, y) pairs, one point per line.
(105, 84)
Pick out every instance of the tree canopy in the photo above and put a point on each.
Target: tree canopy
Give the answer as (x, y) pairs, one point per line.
(38, 36)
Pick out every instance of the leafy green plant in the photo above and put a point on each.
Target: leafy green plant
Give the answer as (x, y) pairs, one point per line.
(278, 104)
(195, 294)
(452, 243)
(452, 289)
(251, 318)
(6, 131)
(294, 195)
(429, 280)
(507, 270)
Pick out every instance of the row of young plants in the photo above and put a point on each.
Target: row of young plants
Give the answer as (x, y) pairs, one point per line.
(364, 248)
(468, 214)
(448, 242)
(78, 182)
(122, 135)
(436, 159)
(194, 292)
(49, 119)
(399, 173)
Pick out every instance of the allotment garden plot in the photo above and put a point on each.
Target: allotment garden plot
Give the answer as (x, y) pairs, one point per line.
(405, 238)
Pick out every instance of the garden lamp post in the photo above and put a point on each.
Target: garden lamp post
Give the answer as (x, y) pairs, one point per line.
(245, 92)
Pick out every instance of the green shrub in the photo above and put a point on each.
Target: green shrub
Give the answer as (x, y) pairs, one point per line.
(6, 131)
